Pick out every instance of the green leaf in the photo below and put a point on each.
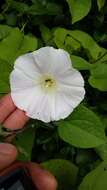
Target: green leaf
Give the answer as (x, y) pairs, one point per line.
(82, 129)
(19, 6)
(46, 33)
(102, 151)
(99, 70)
(4, 31)
(98, 78)
(15, 44)
(24, 142)
(53, 8)
(102, 59)
(38, 8)
(100, 3)
(79, 9)
(71, 44)
(59, 37)
(5, 69)
(63, 39)
(29, 43)
(64, 171)
(10, 45)
(77, 40)
(80, 63)
(45, 9)
(11, 19)
(96, 180)
(87, 42)
(100, 84)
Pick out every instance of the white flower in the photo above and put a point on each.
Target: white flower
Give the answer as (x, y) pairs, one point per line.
(45, 85)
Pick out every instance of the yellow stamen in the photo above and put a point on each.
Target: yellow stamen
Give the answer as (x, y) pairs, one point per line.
(48, 83)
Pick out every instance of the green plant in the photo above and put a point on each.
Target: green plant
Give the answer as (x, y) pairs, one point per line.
(74, 149)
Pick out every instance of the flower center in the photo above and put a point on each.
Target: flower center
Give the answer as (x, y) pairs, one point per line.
(48, 83)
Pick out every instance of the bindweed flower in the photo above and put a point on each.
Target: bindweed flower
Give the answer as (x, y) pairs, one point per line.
(45, 85)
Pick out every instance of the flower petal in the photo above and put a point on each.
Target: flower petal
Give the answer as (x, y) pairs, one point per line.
(26, 63)
(73, 95)
(64, 102)
(51, 60)
(71, 86)
(40, 109)
(20, 81)
(59, 108)
(71, 77)
(23, 98)
(34, 102)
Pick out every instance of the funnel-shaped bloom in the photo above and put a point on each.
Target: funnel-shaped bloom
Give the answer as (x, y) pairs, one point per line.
(45, 85)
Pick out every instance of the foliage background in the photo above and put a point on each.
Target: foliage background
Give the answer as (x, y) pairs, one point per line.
(75, 149)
